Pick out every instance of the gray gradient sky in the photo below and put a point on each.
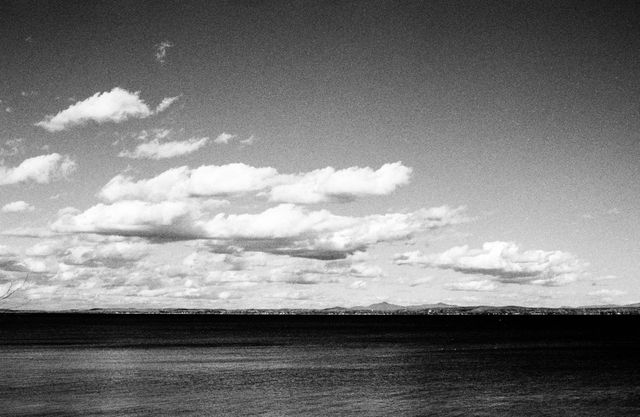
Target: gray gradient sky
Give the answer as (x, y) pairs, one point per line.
(525, 113)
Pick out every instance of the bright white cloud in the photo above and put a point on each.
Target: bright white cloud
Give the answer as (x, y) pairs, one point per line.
(503, 261)
(40, 169)
(224, 138)
(316, 186)
(182, 183)
(17, 207)
(115, 106)
(157, 150)
(172, 219)
(284, 229)
(328, 184)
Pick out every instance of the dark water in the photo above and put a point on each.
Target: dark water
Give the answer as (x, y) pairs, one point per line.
(103, 365)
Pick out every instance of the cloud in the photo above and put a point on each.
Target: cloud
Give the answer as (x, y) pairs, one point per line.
(110, 255)
(159, 134)
(165, 103)
(358, 284)
(10, 262)
(88, 251)
(253, 268)
(317, 186)
(420, 281)
(328, 184)
(479, 285)
(40, 169)
(161, 51)
(607, 292)
(171, 219)
(115, 106)
(248, 141)
(17, 207)
(224, 138)
(503, 261)
(12, 147)
(172, 149)
(285, 229)
(182, 183)
(31, 232)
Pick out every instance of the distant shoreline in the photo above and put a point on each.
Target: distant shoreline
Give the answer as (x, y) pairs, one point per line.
(359, 311)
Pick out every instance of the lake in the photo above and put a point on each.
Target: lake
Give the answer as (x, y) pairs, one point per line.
(228, 365)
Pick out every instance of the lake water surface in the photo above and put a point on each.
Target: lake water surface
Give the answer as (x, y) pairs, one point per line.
(189, 365)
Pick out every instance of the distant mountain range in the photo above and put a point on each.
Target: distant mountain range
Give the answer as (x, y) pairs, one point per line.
(384, 306)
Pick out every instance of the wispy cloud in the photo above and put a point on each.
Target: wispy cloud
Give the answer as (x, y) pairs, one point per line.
(224, 138)
(161, 51)
(165, 103)
(248, 141)
(479, 285)
(157, 150)
(12, 147)
(607, 292)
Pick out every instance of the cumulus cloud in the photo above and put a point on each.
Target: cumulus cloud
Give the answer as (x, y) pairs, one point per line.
(291, 230)
(182, 182)
(17, 207)
(161, 51)
(329, 184)
(504, 261)
(224, 138)
(285, 229)
(115, 106)
(157, 150)
(40, 169)
(171, 219)
(317, 186)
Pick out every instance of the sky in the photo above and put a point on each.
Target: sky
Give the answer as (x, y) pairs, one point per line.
(314, 154)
